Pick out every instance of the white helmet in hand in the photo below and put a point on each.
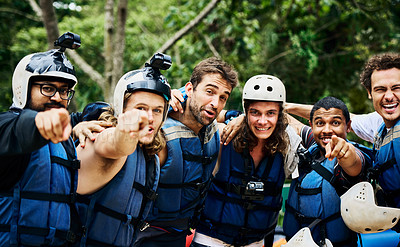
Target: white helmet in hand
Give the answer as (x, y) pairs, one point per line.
(361, 214)
(303, 238)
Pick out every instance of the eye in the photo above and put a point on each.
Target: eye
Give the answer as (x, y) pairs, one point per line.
(223, 98)
(48, 89)
(253, 112)
(336, 123)
(158, 111)
(141, 108)
(271, 113)
(64, 90)
(396, 88)
(319, 123)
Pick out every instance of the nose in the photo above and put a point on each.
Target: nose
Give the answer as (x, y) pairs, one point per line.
(150, 116)
(56, 97)
(263, 119)
(389, 95)
(215, 101)
(327, 128)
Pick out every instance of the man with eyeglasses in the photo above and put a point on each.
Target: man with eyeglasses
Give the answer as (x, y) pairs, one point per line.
(38, 167)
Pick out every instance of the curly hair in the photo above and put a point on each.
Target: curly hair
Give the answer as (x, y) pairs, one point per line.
(277, 142)
(152, 148)
(383, 61)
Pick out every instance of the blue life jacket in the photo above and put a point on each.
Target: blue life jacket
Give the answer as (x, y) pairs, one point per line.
(40, 209)
(387, 163)
(186, 174)
(243, 203)
(112, 215)
(313, 200)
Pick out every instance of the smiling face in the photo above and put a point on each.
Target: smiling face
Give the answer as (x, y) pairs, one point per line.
(385, 94)
(207, 100)
(153, 105)
(39, 102)
(262, 118)
(326, 123)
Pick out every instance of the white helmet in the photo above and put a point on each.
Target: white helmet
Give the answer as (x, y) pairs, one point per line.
(52, 64)
(361, 214)
(148, 79)
(264, 88)
(303, 238)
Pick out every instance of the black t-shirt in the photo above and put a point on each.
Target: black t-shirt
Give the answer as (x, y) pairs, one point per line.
(18, 138)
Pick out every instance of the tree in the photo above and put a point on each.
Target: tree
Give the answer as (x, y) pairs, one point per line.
(114, 39)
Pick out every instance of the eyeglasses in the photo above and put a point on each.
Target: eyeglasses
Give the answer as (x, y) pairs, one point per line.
(50, 90)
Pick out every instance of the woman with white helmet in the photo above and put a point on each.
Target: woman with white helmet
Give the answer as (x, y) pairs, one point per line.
(119, 170)
(243, 203)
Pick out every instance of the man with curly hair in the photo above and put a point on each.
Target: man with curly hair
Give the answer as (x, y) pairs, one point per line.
(381, 78)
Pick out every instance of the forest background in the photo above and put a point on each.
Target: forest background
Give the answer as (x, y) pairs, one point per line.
(316, 47)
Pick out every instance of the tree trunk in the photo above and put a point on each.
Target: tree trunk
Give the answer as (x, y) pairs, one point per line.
(108, 48)
(119, 48)
(49, 21)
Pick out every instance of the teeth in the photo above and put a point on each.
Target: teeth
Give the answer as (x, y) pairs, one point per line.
(390, 106)
(262, 128)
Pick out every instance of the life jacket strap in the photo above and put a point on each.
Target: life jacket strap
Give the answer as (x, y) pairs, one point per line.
(313, 221)
(70, 164)
(205, 160)
(375, 172)
(63, 198)
(146, 191)
(270, 189)
(309, 191)
(248, 205)
(69, 236)
(196, 184)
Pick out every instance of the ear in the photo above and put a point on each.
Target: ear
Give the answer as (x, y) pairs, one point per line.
(348, 126)
(310, 123)
(369, 95)
(189, 89)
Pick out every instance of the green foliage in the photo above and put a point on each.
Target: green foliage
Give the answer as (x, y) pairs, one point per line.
(317, 48)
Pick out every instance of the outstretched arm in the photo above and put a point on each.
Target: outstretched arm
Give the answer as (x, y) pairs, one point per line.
(346, 155)
(102, 159)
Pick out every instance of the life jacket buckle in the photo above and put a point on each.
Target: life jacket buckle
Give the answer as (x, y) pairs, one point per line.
(76, 164)
(143, 225)
(152, 195)
(70, 237)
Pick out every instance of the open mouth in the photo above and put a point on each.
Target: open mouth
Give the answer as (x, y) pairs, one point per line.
(390, 107)
(210, 114)
(262, 129)
(326, 139)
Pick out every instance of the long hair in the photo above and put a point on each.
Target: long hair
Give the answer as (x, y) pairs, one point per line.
(277, 142)
(154, 147)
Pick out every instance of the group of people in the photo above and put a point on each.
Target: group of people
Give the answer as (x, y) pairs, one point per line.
(147, 174)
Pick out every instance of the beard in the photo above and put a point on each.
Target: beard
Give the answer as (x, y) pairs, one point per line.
(196, 112)
(43, 107)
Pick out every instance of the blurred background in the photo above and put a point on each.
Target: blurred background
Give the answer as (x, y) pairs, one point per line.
(316, 47)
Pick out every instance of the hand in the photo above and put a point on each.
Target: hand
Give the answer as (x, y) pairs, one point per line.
(133, 122)
(231, 129)
(54, 124)
(177, 100)
(339, 148)
(85, 130)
